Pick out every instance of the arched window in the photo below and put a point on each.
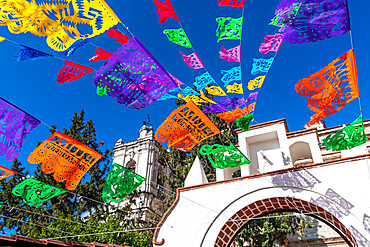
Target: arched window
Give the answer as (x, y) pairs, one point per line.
(300, 153)
(131, 165)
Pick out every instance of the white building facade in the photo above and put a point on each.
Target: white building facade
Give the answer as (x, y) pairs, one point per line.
(289, 171)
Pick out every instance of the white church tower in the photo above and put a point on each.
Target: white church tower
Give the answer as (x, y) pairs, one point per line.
(140, 156)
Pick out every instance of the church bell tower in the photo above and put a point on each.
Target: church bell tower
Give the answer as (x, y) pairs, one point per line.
(140, 156)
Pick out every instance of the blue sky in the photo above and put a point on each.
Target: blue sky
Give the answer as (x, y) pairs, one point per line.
(32, 86)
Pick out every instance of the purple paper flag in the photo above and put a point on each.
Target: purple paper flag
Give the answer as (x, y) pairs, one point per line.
(134, 76)
(223, 103)
(214, 108)
(252, 97)
(15, 125)
(318, 20)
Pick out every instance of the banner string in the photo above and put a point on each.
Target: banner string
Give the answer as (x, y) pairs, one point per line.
(30, 223)
(290, 214)
(204, 67)
(56, 218)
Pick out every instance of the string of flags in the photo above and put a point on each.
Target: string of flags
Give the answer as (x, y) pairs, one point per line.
(61, 30)
(136, 79)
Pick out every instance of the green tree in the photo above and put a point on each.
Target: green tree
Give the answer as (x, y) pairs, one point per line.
(273, 229)
(179, 162)
(93, 217)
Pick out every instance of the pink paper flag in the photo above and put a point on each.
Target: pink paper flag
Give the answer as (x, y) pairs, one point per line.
(177, 81)
(231, 55)
(272, 43)
(192, 61)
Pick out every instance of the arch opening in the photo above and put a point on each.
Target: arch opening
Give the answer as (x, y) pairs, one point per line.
(301, 153)
(267, 206)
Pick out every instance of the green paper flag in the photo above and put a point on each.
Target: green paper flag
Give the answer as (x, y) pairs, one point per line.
(224, 156)
(178, 36)
(346, 138)
(285, 16)
(229, 28)
(120, 182)
(245, 122)
(34, 193)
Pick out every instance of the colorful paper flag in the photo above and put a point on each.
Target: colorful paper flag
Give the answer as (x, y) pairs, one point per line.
(198, 100)
(224, 156)
(230, 116)
(256, 82)
(231, 55)
(133, 76)
(346, 138)
(67, 158)
(167, 96)
(185, 127)
(232, 3)
(120, 183)
(272, 43)
(318, 20)
(261, 65)
(203, 81)
(223, 103)
(215, 90)
(5, 172)
(120, 37)
(245, 122)
(177, 81)
(229, 28)
(15, 125)
(72, 71)
(74, 47)
(252, 97)
(165, 10)
(286, 15)
(233, 74)
(100, 55)
(192, 61)
(331, 88)
(178, 36)
(34, 193)
(27, 53)
(62, 22)
(235, 88)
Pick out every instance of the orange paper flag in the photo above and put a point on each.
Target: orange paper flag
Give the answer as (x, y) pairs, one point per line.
(185, 127)
(5, 172)
(331, 88)
(230, 116)
(67, 158)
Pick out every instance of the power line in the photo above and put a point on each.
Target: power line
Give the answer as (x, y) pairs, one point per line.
(101, 233)
(42, 226)
(56, 218)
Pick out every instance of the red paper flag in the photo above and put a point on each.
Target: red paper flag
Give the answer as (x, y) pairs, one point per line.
(232, 3)
(165, 10)
(72, 71)
(100, 55)
(120, 37)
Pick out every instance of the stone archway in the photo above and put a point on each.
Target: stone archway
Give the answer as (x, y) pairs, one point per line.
(262, 207)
